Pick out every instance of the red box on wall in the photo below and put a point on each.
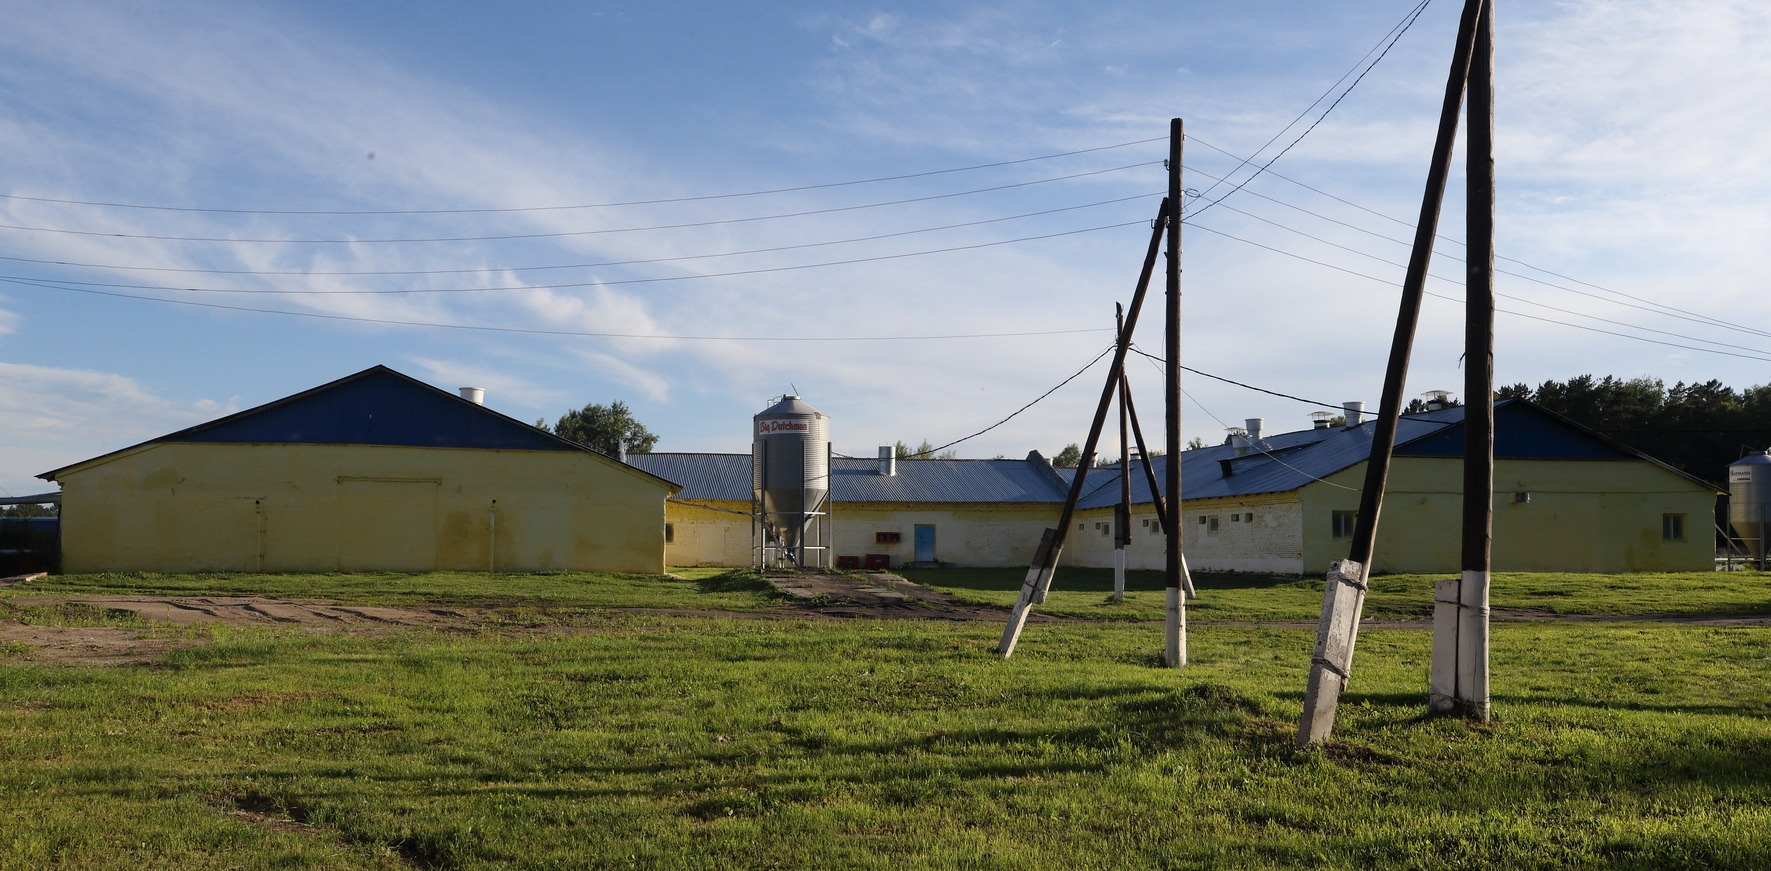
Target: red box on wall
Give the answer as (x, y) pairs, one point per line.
(879, 560)
(848, 562)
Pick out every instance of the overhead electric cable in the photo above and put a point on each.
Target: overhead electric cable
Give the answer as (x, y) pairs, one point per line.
(540, 332)
(1512, 297)
(575, 233)
(1016, 412)
(576, 284)
(651, 202)
(1676, 312)
(1386, 281)
(1406, 21)
(638, 262)
(1337, 101)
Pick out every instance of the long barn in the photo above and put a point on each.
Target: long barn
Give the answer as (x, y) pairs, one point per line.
(376, 471)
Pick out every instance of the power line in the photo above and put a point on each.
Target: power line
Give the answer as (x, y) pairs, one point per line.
(1578, 314)
(1676, 312)
(71, 283)
(1017, 411)
(576, 233)
(540, 332)
(1385, 281)
(638, 262)
(1337, 101)
(579, 206)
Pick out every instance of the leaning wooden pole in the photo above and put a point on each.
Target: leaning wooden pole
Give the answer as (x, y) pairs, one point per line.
(1045, 560)
(1174, 651)
(1460, 620)
(1344, 595)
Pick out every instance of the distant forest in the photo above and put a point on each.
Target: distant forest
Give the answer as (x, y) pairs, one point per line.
(1696, 428)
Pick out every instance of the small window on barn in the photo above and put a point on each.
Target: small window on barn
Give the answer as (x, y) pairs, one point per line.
(1672, 527)
(1211, 525)
(669, 533)
(887, 537)
(1343, 523)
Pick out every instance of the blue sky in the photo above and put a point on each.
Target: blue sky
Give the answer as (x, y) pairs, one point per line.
(1631, 154)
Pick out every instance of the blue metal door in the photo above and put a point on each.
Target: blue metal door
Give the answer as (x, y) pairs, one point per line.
(925, 544)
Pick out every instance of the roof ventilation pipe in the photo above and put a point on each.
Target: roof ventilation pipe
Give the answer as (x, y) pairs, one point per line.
(1437, 399)
(1253, 425)
(1355, 412)
(1319, 419)
(475, 395)
(888, 461)
(1237, 438)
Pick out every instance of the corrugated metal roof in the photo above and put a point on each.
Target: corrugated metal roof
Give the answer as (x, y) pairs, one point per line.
(1292, 460)
(377, 406)
(727, 478)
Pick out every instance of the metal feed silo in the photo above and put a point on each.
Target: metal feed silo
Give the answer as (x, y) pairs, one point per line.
(1749, 502)
(790, 484)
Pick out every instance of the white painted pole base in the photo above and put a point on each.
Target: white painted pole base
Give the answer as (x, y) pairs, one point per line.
(1011, 634)
(1119, 574)
(1174, 650)
(1336, 633)
(1460, 648)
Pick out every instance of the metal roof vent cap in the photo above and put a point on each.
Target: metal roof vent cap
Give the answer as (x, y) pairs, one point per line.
(475, 395)
(1237, 438)
(1437, 399)
(1355, 411)
(1319, 419)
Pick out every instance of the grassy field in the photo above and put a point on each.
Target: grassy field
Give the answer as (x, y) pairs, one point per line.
(1083, 592)
(630, 739)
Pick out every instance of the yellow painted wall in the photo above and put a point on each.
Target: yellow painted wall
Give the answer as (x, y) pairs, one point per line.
(1584, 516)
(231, 507)
(966, 534)
(708, 536)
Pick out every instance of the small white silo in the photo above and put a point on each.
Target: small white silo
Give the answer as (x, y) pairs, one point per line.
(790, 485)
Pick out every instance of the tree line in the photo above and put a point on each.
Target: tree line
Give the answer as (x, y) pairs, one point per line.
(1697, 428)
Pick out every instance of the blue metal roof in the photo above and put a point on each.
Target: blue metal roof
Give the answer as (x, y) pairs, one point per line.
(1292, 460)
(727, 478)
(376, 406)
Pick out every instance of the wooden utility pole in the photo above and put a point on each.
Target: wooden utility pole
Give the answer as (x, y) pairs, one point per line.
(1344, 596)
(1460, 612)
(1045, 561)
(1122, 512)
(1174, 651)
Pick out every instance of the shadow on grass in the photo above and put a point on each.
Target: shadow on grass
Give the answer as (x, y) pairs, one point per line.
(737, 581)
(1086, 580)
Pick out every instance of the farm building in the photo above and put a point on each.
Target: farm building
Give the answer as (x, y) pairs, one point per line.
(962, 512)
(1566, 499)
(373, 472)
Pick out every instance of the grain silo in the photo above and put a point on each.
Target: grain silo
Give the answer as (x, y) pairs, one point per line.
(1749, 502)
(790, 484)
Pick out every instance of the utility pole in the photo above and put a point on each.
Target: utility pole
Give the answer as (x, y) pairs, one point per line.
(1122, 513)
(1174, 652)
(1344, 595)
(1045, 560)
(1460, 612)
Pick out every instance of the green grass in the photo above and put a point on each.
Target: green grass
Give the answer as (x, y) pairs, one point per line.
(644, 740)
(722, 589)
(1084, 592)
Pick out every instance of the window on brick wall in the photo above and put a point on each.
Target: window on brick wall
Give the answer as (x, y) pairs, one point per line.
(1211, 524)
(1343, 523)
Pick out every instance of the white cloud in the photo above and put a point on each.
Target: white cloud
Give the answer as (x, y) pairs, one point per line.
(52, 417)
